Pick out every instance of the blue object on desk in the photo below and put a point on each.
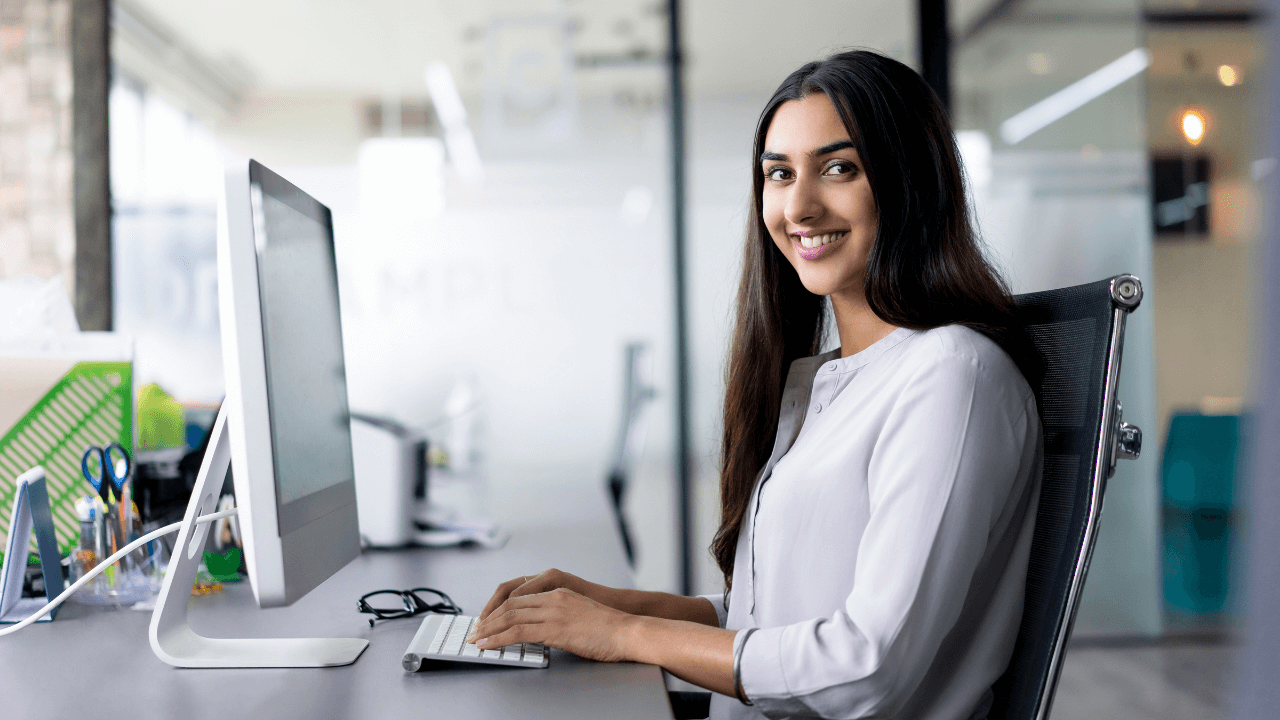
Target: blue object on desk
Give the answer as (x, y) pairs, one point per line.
(106, 469)
(1198, 479)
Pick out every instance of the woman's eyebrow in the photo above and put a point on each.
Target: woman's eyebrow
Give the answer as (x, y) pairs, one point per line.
(833, 147)
(768, 156)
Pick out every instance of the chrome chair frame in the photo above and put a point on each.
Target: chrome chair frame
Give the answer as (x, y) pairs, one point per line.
(1115, 440)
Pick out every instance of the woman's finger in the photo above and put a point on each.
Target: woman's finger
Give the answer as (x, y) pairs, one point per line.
(504, 622)
(503, 612)
(532, 584)
(511, 636)
(500, 595)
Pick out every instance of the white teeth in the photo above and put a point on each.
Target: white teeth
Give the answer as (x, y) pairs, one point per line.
(819, 240)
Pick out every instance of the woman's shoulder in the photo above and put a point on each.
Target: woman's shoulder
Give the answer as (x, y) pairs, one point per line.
(951, 344)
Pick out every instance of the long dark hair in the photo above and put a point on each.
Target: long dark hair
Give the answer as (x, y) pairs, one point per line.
(926, 267)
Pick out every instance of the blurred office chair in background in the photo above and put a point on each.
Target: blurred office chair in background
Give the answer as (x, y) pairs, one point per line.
(636, 391)
(1069, 344)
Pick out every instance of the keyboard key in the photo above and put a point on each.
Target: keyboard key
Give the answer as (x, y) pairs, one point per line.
(470, 650)
(492, 654)
(441, 633)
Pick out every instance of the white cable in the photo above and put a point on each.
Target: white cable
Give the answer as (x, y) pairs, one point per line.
(154, 534)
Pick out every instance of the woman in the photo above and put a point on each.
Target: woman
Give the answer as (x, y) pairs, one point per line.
(878, 500)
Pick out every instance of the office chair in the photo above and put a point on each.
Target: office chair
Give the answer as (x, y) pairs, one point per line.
(1068, 343)
(636, 392)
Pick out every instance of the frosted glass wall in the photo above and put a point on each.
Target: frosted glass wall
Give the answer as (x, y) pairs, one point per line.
(1067, 205)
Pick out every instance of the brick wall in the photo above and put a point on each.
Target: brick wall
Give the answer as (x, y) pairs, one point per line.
(37, 229)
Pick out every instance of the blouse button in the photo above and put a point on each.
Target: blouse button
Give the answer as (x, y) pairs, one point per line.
(817, 407)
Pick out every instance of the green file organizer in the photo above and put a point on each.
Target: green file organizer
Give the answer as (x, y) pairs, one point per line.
(91, 405)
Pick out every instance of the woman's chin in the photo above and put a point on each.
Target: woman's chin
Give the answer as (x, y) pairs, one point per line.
(822, 284)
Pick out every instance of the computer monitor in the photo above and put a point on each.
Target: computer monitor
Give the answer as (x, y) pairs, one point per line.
(284, 427)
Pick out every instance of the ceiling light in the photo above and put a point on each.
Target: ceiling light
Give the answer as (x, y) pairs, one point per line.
(1228, 75)
(1193, 125)
(1038, 63)
(1056, 106)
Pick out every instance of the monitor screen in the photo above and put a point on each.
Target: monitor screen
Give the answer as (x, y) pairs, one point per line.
(302, 340)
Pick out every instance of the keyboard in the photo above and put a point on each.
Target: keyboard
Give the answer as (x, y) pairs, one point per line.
(444, 637)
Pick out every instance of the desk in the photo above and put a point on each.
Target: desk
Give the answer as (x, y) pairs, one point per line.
(114, 644)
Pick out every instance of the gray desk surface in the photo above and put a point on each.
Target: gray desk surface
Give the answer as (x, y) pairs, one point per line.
(60, 669)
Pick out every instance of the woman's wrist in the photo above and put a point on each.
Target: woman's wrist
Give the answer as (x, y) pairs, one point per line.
(603, 594)
(637, 637)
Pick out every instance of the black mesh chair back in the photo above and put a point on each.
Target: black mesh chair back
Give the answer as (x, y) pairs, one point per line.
(1068, 343)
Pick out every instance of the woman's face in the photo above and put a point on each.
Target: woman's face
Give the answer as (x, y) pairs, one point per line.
(817, 202)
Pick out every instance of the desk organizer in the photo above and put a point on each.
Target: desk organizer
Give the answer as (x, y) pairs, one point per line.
(92, 404)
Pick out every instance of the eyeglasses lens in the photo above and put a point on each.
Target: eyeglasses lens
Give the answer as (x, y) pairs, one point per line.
(387, 603)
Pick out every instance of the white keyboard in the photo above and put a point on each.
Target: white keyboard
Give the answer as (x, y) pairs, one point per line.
(444, 637)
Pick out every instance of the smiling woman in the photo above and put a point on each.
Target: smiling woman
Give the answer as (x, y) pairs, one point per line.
(877, 501)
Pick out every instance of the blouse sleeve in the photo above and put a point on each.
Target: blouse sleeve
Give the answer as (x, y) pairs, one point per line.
(718, 602)
(941, 473)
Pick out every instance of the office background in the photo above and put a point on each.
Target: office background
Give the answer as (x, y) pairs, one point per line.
(491, 302)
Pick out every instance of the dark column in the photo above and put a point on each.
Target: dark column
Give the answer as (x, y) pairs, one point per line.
(91, 78)
(935, 48)
(684, 444)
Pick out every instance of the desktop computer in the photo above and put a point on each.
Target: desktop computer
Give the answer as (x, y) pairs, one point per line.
(284, 426)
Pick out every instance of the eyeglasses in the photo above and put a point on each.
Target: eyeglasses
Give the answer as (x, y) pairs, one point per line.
(391, 604)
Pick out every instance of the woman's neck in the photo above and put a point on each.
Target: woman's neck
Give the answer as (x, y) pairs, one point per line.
(858, 325)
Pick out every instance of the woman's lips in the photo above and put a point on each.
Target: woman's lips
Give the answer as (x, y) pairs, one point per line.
(817, 243)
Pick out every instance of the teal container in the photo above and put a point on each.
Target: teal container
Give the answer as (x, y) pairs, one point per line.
(1198, 479)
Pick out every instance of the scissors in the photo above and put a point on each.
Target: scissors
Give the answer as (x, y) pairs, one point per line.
(106, 476)
(103, 480)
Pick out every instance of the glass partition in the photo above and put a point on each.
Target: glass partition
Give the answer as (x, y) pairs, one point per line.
(1051, 111)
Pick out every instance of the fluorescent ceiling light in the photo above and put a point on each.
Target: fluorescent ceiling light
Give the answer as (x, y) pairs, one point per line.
(1058, 105)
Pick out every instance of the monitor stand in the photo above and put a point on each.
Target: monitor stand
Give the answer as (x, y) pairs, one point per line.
(172, 638)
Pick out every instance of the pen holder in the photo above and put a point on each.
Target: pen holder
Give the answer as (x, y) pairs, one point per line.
(134, 578)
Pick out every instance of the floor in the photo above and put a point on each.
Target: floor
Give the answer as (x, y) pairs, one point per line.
(1175, 678)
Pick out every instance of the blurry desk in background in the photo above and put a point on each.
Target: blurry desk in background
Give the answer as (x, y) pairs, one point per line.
(98, 663)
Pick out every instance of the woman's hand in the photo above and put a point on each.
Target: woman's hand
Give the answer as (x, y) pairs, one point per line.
(529, 584)
(559, 618)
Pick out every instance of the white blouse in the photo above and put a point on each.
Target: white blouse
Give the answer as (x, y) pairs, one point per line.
(884, 551)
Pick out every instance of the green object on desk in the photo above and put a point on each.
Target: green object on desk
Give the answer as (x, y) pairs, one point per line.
(91, 405)
(161, 420)
(224, 568)
(32, 558)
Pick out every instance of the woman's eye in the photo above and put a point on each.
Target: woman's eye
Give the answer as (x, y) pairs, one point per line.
(777, 174)
(841, 168)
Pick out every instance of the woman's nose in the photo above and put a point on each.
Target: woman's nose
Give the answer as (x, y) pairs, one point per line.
(804, 204)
